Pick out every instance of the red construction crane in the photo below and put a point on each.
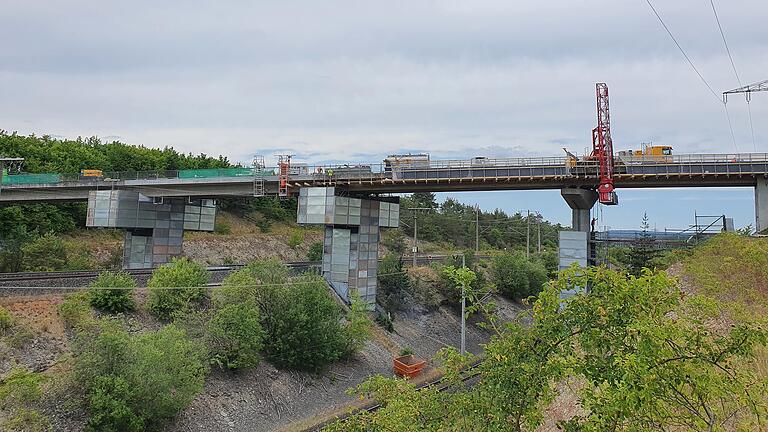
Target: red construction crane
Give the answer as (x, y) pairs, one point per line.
(602, 147)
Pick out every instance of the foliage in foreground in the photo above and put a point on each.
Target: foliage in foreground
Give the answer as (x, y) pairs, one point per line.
(648, 360)
(174, 286)
(113, 292)
(137, 382)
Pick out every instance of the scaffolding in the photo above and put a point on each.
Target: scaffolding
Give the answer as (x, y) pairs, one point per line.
(258, 176)
(284, 171)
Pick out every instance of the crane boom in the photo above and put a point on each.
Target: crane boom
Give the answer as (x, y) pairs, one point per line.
(602, 147)
(747, 89)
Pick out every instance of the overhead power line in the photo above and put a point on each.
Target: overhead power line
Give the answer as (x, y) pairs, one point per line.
(695, 69)
(735, 72)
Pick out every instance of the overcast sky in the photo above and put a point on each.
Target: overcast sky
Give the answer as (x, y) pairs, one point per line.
(356, 80)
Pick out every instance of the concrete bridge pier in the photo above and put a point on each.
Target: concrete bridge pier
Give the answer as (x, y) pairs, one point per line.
(761, 205)
(154, 226)
(351, 237)
(581, 202)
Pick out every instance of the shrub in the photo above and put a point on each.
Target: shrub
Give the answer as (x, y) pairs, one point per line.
(517, 277)
(175, 285)
(18, 392)
(358, 328)
(393, 282)
(113, 292)
(315, 252)
(6, 320)
(394, 241)
(20, 336)
(269, 271)
(20, 388)
(46, 253)
(137, 381)
(109, 406)
(296, 239)
(302, 323)
(235, 336)
(27, 420)
(75, 310)
(222, 228)
(237, 287)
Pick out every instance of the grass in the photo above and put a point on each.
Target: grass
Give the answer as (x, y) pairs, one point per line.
(732, 269)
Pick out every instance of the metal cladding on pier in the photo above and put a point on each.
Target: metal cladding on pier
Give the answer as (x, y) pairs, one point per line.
(351, 240)
(154, 227)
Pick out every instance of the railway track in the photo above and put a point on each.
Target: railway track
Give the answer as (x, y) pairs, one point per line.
(87, 274)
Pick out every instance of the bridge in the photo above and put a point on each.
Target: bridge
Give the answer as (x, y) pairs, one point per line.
(155, 207)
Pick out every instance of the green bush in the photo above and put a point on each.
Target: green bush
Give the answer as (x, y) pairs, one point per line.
(394, 241)
(6, 320)
(19, 336)
(269, 271)
(358, 328)
(27, 420)
(137, 382)
(175, 285)
(517, 277)
(75, 310)
(222, 228)
(315, 252)
(295, 239)
(235, 336)
(113, 292)
(18, 392)
(237, 287)
(20, 388)
(302, 324)
(46, 253)
(394, 282)
(109, 406)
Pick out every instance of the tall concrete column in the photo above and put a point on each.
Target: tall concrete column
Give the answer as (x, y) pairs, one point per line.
(351, 237)
(581, 202)
(761, 205)
(154, 227)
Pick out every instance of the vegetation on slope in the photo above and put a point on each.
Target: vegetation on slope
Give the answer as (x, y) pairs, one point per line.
(645, 358)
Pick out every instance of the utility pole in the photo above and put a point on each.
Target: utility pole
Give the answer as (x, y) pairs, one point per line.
(528, 235)
(415, 248)
(477, 228)
(539, 235)
(463, 307)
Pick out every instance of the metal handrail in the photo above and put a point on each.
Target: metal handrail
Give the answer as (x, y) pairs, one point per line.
(379, 171)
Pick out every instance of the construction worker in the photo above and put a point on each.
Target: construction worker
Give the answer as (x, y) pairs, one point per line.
(329, 171)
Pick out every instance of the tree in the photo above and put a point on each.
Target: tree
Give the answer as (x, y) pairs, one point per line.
(517, 277)
(234, 336)
(174, 286)
(302, 324)
(393, 282)
(643, 251)
(645, 360)
(137, 382)
(46, 253)
(113, 292)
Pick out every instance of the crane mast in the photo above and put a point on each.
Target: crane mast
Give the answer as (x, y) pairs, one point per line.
(602, 147)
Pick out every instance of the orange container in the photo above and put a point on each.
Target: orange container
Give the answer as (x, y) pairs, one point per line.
(408, 366)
